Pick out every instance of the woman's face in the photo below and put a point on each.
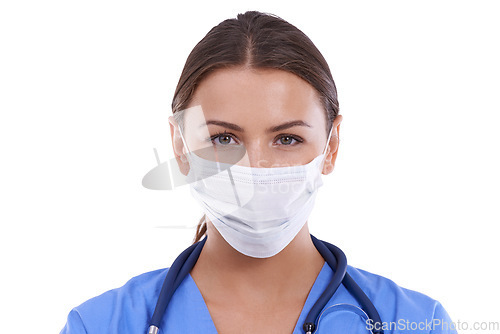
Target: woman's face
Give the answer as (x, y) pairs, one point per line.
(273, 117)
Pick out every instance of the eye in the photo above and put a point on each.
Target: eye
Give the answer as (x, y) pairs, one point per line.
(289, 140)
(223, 139)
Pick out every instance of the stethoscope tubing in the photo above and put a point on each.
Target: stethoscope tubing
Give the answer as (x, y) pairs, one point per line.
(333, 256)
(179, 269)
(338, 262)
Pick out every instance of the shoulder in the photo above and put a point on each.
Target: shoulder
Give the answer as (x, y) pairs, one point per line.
(402, 307)
(379, 287)
(110, 312)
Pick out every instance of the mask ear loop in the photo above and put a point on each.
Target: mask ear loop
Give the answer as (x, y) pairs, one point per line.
(326, 147)
(182, 138)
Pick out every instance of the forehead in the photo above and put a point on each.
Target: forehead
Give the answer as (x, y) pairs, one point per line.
(260, 96)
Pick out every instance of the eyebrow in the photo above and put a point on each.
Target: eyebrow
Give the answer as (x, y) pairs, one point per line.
(276, 128)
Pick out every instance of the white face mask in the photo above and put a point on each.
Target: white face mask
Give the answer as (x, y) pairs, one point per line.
(258, 211)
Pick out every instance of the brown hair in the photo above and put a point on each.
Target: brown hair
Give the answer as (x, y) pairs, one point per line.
(256, 40)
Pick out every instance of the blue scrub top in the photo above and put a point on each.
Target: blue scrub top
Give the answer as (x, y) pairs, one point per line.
(129, 309)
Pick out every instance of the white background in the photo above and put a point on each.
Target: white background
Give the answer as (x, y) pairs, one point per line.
(86, 89)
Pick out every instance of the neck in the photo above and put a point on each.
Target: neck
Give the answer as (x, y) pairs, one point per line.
(220, 264)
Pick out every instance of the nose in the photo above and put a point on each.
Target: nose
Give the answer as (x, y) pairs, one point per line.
(257, 155)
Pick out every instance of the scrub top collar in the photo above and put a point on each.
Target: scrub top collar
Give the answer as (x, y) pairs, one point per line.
(187, 304)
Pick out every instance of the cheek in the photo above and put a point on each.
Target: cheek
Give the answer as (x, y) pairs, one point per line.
(298, 156)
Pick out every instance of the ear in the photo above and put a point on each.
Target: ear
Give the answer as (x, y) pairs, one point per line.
(333, 147)
(178, 146)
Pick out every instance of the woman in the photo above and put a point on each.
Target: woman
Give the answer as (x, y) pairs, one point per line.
(256, 123)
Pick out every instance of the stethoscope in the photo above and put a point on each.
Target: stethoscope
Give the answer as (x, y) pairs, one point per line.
(335, 258)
